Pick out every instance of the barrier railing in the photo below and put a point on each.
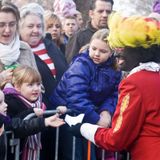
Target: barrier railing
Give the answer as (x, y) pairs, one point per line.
(14, 143)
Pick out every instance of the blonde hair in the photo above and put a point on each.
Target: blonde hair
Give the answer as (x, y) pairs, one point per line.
(25, 74)
(50, 16)
(101, 34)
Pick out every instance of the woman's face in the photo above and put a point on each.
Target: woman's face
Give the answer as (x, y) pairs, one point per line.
(80, 20)
(54, 28)
(8, 27)
(99, 51)
(31, 30)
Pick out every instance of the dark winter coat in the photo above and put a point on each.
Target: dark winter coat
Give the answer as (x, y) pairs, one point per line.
(17, 110)
(49, 82)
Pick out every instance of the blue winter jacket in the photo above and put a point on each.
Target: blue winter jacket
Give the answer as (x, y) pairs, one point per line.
(88, 88)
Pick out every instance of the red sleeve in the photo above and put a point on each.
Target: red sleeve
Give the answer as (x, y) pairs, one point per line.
(127, 120)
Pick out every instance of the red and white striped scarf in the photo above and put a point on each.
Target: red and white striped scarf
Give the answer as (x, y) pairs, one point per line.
(33, 144)
(41, 52)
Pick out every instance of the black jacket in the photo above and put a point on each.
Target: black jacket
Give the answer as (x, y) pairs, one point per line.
(17, 110)
(78, 40)
(49, 82)
(21, 129)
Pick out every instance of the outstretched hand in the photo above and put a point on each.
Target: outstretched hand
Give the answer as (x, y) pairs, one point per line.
(54, 121)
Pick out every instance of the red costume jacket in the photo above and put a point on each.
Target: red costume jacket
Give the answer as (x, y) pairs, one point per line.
(136, 122)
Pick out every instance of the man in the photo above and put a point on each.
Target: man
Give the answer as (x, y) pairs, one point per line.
(98, 13)
(136, 121)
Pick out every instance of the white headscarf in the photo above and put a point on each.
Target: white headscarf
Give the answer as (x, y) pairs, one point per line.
(10, 53)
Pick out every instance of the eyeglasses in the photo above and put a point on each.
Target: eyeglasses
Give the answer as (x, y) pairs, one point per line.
(10, 24)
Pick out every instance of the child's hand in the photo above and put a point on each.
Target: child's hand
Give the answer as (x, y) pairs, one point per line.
(105, 119)
(54, 121)
(61, 109)
(38, 111)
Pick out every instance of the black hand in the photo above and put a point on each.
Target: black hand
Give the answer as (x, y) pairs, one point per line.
(75, 130)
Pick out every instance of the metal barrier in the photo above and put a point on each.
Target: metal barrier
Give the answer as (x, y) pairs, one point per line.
(14, 143)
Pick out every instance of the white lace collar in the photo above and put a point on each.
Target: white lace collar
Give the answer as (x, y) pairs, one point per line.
(149, 66)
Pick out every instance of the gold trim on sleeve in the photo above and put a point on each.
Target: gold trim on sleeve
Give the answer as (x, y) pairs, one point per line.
(124, 105)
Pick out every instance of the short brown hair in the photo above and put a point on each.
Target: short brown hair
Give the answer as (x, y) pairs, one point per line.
(93, 2)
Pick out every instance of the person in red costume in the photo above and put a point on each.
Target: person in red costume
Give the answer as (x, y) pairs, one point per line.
(136, 122)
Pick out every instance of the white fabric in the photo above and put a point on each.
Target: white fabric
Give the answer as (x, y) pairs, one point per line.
(133, 7)
(149, 66)
(88, 131)
(74, 120)
(41, 46)
(10, 53)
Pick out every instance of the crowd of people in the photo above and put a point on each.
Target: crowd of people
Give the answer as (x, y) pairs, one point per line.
(106, 68)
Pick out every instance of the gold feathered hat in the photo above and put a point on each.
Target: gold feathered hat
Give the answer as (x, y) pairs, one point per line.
(133, 31)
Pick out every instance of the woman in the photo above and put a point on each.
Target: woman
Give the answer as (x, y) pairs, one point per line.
(13, 51)
(54, 27)
(49, 59)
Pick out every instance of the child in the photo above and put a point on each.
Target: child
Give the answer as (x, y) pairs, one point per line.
(3, 109)
(90, 85)
(23, 98)
(22, 128)
(70, 27)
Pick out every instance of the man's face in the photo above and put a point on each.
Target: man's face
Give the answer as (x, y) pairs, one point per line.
(126, 60)
(99, 15)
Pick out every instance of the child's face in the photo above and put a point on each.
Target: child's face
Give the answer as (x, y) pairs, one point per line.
(30, 91)
(3, 105)
(99, 51)
(70, 27)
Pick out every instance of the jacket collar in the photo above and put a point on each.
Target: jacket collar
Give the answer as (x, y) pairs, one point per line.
(89, 25)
